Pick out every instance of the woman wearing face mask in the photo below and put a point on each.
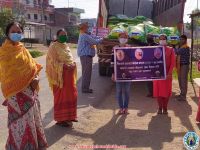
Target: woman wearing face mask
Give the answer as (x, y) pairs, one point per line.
(122, 88)
(163, 88)
(61, 73)
(19, 83)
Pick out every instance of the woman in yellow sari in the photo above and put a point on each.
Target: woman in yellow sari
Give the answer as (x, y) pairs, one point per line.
(19, 84)
(61, 73)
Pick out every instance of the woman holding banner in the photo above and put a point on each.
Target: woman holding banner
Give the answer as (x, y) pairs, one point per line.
(122, 88)
(162, 89)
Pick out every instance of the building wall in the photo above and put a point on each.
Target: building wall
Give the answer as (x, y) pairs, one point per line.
(64, 17)
(61, 19)
(42, 33)
(6, 3)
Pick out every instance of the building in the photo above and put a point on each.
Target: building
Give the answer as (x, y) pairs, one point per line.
(42, 19)
(6, 3)
(68, 16)
(91, 21)
(38, 11)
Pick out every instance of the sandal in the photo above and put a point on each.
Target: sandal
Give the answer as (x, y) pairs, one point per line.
(126, 111)
(120, 112)
(74, 120)
(165, 112)
(65, 124)
(159, 111)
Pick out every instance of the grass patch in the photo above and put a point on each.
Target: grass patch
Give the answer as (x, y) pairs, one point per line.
(195, 72)
(36, 53)
(73, 46)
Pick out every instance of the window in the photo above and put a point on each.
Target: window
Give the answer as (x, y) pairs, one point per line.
(73, 18)
(51, 17)
(45, 17)
(29, 16)
(27, 1)
(35, 16)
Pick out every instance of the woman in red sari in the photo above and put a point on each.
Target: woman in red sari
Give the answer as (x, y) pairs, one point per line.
(162, 89)
(61, 73)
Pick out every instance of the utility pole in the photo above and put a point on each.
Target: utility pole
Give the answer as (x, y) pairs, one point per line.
(197, 4)
(68, 3)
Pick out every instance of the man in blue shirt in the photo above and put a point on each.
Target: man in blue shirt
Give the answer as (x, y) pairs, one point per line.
(183, 57)
(86, 52)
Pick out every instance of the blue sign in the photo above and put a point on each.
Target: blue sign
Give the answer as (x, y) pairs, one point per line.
(139, 63)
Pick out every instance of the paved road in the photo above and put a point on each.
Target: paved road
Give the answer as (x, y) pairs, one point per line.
(99, 125)
(85, 101)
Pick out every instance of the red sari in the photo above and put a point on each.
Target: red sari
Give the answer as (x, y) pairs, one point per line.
(62, 80)
(198, 112)
(162, 89)
(65, 98)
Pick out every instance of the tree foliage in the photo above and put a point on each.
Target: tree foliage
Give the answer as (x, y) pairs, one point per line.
(6, 17)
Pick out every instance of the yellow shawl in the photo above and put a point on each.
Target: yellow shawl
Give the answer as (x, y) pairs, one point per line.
(17, 68)
(58, 55)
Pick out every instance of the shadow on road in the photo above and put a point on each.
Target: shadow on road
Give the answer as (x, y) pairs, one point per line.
(115, 132)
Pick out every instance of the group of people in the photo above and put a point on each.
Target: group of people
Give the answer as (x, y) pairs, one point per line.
(19, 78)
(159, 89)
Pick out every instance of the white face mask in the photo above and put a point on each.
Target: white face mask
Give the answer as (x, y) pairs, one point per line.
(123, 40)
(163, 42)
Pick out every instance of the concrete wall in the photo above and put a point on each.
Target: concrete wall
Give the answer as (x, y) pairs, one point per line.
(61, 19)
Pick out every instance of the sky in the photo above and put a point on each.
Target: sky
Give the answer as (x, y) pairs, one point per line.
(91, 7)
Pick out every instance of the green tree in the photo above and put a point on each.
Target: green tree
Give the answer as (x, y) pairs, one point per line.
(6, 17)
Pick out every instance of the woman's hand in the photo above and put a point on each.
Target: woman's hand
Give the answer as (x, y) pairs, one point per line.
(169, 76)
(113, 77)
(34, 84)
(72, 66)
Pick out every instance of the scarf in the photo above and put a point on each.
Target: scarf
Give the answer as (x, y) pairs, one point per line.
(58, 55)
(17, 68)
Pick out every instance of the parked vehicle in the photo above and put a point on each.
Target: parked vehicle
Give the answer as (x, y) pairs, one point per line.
(162, 13)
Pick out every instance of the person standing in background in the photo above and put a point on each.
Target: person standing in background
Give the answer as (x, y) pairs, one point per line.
(183, 62)
(86, 52)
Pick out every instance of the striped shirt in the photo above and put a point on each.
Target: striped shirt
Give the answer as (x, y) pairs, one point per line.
(184, 53)
(86, 44)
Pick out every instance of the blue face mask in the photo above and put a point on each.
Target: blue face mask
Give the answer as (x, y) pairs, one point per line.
(16, 37)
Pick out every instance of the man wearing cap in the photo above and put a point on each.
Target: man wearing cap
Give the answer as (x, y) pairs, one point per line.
(86, 52)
